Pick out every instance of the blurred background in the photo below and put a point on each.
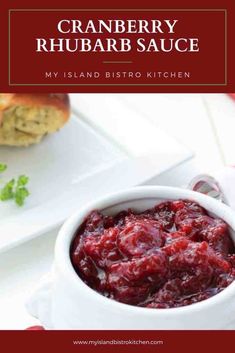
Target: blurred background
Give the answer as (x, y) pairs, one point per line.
(203, 123)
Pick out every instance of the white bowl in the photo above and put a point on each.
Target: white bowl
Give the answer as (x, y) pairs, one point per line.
(77, 306)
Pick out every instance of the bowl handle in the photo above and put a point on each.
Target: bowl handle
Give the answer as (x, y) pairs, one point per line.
(39, 303)
(206, 184)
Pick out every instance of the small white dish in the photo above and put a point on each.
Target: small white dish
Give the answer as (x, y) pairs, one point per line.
(67, 170)
(66, 302)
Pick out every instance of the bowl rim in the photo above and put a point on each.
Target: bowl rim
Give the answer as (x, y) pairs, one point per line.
(66, 234)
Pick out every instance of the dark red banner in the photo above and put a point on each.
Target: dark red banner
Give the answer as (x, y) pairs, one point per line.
(123, 341)
(125, 49)
(152, 47)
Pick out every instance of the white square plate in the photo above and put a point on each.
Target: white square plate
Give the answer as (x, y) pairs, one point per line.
(78, 164)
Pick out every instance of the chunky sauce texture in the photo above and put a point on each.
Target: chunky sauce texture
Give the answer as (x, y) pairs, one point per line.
(171, 255)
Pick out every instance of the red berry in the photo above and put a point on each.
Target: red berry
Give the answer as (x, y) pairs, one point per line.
(171, 255)
(139, 237)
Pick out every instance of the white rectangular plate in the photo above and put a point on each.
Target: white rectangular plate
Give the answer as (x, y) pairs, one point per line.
(74, 166)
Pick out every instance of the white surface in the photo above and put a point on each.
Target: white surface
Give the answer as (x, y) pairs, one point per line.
(221, 110)
(200, 123)
(183, 116)
(20, 270)
(64, 301)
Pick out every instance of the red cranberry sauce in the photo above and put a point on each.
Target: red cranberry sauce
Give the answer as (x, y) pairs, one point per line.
(171, 255)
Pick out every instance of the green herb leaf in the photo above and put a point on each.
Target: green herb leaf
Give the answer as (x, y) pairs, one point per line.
(3, 167)
(15, 190)
(22, 180)
(7, 192)
(20, 195)
(20, 191)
